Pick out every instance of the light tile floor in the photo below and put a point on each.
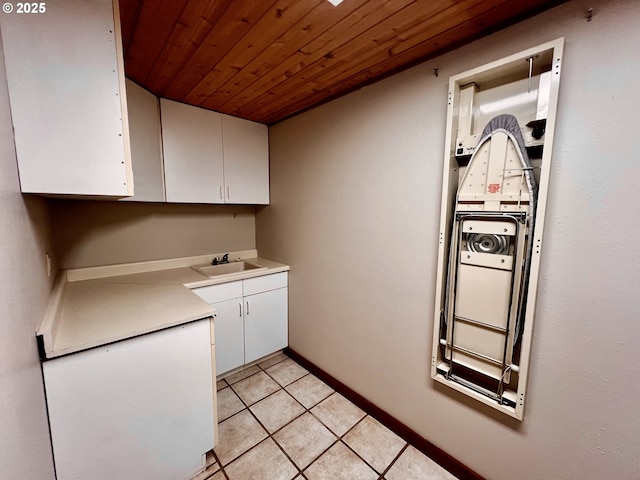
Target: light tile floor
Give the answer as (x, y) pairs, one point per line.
(279, 422)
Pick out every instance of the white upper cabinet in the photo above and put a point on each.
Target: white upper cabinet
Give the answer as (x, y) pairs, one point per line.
(146, 144)
(193, 162)
(246, 161)
(213, 158)
(65, 74)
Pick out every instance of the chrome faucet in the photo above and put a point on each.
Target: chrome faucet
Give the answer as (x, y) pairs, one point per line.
(217, 261)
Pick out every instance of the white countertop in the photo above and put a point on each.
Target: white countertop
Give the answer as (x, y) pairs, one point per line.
(95, 313)
(100, 305)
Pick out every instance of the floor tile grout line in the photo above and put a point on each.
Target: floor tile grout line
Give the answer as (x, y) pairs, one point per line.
(337, 439)
(315, 404)
(295, 465)
(275, 380)
(395, 459)
(224, 379)
(246, 407)
(286, 424)
(243, 401)
(344, 442)
(284, 388)
(215, 456)
(286, 357)
(269, 434)
(341, 438)
(298, 471)
(306, 410)
(246, 378)
(253, 374)
(239, 411)
(327, 426)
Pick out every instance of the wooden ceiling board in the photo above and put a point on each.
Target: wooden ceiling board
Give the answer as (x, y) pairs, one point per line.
(194, 24)
(366, 64)
(282, 16)
(128, 22)
(374, 46)
(281, 48)
(235, 22)
(315, 50)
(357, 76)
(265, 60)
(151, 30)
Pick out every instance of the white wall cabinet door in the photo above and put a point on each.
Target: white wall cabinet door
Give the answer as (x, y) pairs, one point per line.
(229, 331)
(65, 74)
(246, 161)
(213, 158)
(265, 323)
(146, 144)
(140, 408)
(193, 161)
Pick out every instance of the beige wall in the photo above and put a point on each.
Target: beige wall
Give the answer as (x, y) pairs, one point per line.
(25, 450)
(88, 233)
(355, 189)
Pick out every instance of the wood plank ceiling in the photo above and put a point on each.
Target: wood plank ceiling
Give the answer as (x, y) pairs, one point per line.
(265, 60)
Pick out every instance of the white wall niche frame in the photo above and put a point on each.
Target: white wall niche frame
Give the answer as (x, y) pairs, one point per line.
(481, 339)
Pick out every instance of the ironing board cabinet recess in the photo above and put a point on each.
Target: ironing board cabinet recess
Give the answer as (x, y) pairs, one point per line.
(251, 320)
(69, 110)
(497, 160)
(213, 158)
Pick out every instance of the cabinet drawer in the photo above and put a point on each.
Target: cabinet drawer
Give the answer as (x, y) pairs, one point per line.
(220, 293)
(265, 283)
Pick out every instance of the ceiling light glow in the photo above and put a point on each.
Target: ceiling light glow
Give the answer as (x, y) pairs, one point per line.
(335, 3)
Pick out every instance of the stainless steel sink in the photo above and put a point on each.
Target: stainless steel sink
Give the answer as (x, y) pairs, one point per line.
(227, 268)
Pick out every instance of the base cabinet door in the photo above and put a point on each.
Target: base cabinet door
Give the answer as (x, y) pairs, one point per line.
(139, 408)
(229, 329)
(265, 323)
(251, 319)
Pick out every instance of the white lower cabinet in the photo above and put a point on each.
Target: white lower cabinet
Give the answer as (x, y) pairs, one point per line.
(229, 328)
(139, 408)
(251, 321)
(265, 323)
